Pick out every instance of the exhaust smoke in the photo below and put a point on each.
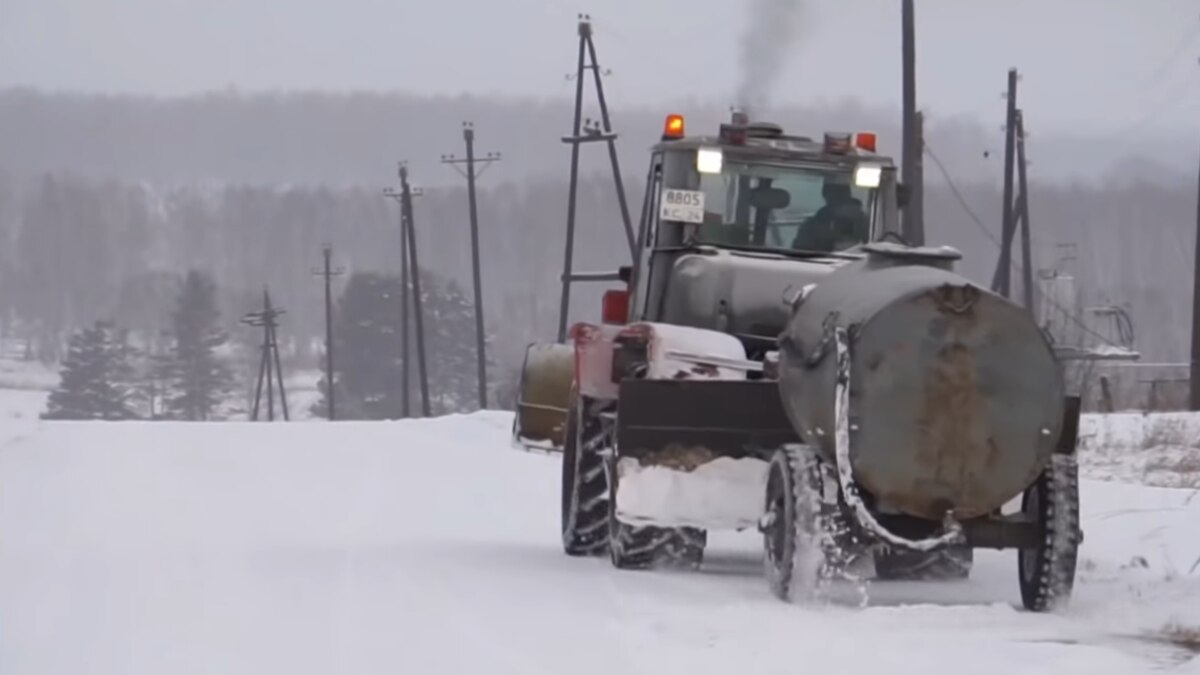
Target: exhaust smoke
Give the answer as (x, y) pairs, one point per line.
(773, 27)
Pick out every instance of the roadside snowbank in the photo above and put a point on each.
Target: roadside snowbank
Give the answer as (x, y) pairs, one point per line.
(1160, 449)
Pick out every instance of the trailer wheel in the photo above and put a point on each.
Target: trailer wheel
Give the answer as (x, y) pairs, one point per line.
(584, 483)
(953, 562)
(1047, 572)
(793, 545)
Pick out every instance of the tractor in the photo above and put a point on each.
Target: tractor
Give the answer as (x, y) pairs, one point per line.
(780, 359)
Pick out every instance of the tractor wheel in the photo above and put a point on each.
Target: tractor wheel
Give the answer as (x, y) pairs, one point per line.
(584, 483)
(647, 546)
(792, 524)
(1047, 572)
(949, 563)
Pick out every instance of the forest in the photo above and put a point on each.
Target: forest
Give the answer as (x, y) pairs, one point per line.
(115, 198)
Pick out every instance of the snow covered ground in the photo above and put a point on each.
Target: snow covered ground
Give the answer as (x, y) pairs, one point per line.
(1160, 449)
(431, 547)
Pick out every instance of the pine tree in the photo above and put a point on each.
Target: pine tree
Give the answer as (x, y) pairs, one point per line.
(368, 367)
(366, 346)
(452, 345)
(197, 379)
(96, 378)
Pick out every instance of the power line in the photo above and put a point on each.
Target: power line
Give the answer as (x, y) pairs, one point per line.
(1188, 36)
(983, 228)
(958, 195)
(1172, 100)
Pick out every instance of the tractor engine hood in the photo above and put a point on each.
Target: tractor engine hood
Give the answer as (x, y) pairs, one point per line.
(739, 292)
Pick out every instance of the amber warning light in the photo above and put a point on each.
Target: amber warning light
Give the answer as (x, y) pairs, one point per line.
(673, 127)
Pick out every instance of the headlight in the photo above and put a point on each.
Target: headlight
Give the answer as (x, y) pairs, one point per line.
(868, 175)
(709, 160)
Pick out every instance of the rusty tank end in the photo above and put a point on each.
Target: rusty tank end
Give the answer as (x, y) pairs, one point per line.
(956, 398)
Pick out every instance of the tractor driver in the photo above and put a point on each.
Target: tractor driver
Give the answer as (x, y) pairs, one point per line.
(837, 225)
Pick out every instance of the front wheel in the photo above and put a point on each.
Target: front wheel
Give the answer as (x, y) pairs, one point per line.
(1047, 572)
(584, 483)
(794, 550)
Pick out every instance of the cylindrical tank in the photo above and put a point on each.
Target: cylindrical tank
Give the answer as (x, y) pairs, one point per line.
(956, 397)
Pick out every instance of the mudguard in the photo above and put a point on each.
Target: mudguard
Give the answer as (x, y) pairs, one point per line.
(543, 397)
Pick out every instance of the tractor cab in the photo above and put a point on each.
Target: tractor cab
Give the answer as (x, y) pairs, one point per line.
(734, 226)
(735, 223)
(753, 187)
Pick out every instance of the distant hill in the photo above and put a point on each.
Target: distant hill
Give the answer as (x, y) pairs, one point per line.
(354, 139)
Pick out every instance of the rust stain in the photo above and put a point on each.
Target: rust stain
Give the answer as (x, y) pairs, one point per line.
(959, 300)
(951, 408)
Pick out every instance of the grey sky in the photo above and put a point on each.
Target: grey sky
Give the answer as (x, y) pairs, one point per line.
(1093, 66)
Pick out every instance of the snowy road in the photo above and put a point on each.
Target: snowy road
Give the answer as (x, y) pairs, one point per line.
(431, 547)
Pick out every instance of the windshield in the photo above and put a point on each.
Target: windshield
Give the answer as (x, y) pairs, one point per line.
(778, 207)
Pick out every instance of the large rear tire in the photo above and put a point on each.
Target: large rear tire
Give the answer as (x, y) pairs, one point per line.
(1047, 572)
(584, 483)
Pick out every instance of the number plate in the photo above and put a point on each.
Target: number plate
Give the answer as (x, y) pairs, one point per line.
(684, 205)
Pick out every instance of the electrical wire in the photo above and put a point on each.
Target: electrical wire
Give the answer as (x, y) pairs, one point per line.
(1189, 36)
(1013, 263)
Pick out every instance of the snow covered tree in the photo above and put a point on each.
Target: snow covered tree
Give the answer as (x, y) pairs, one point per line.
(95, 383)
(197, 378)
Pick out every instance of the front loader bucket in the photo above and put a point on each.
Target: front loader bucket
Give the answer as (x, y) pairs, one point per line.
(543, 397)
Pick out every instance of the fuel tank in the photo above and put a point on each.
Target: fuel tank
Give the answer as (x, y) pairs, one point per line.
(738, 292)
(956, 397)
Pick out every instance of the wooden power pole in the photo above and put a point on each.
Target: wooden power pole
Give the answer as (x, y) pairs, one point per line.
(1001, 281)
(1194, 374)
(1027, 284)
(589, 131)
(270, 369)
(471, 175)
(329, 273)
(913, 227)
(410, 286)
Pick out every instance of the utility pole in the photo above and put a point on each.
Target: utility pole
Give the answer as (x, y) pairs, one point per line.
(589, 132)
(915, 211)
(913, 216)
(471, 175)
(1194, 374)
(1027, 286)
(329, 273)
(410, 282)
(270, 369)
(1001, 280)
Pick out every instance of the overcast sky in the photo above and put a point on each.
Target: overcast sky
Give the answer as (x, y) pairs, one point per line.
(1095, 66)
